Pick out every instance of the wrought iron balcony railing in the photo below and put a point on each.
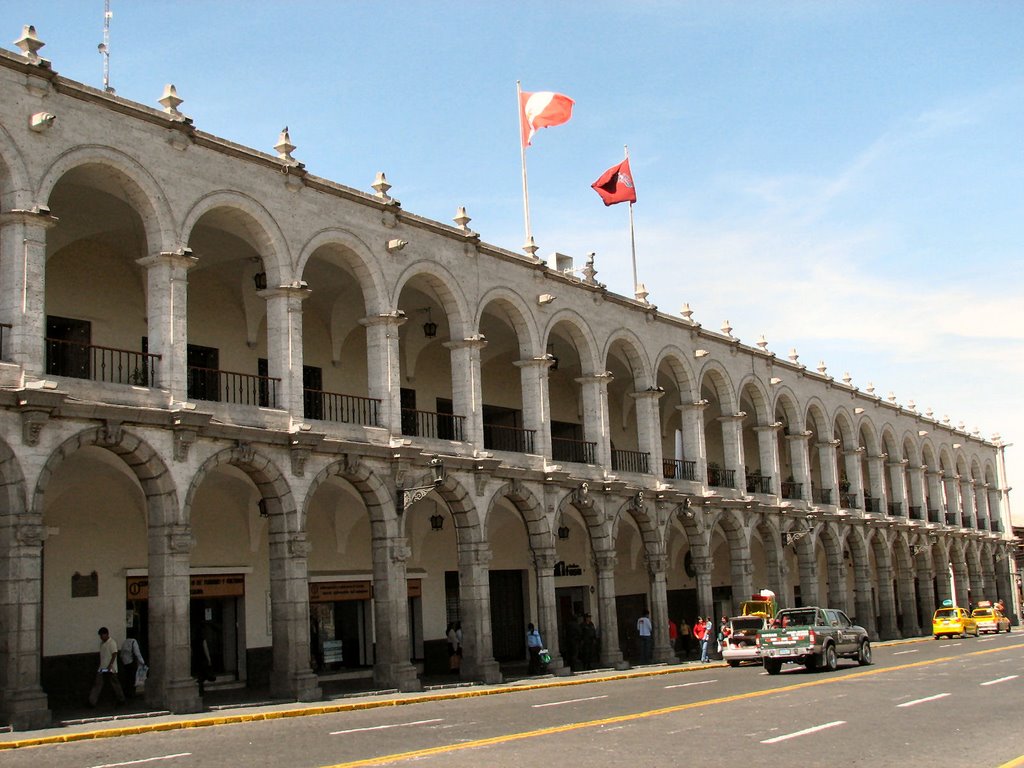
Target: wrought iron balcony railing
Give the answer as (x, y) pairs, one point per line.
(630, 461)
(346, 409)
(759, 484)
(791, 490)
(721, 478)
(217, 386)
(579, 451)
(679, 469)
(96, 363)
(443, 426)
(512, 439)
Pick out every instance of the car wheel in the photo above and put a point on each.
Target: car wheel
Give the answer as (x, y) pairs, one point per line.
(811, 664)
(864, 654)
(829, 660)
(733, 663)
(772, 667)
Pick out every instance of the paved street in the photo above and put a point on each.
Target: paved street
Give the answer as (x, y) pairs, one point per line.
(963, 697)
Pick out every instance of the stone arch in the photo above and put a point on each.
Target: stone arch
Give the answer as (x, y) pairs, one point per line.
(448, 290)
(910, 449)
(645, 522)
(635, 355)
(867, 437)
(682, 373)
(787, 400)
(358, 256)
(260, 228)
(519, 317)
(582, 336)
(816, 418)
(372, 490)
(753, 389)
(538, 526)
(15, 188)
(468, 527)
(890, 445)
(718, 379)
(842, 423)
(144, 193)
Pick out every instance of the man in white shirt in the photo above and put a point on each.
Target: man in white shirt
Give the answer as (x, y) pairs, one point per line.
(645, 630)
(107, 672)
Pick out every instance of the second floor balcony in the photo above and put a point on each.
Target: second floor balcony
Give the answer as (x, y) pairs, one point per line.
(896, 508)
(345, 409)
(680, 469)
(512, 439)
(848, 500)
(630, 461)
(579, 451)
(823, 495)
(107, 364)
(914, 512)
(872, 504)
(721, 478)
(758, 483)
(429, 424)
(792, 490)
(217, 386)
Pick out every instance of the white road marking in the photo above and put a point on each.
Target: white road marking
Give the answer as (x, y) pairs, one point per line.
(922, 701)
(1001, 680)
(687, 685)
(144, 760)
(384, 727)
(568, 701)
(804, 732)
(900, 653)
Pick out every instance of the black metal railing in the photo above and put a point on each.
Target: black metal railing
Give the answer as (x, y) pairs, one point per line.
(996, 527)
(5, 329)
(871, 504)
(848, 500)
(982, 524)
(215, 385)
(759, 484)
(630, 461)
(579, 451)
(444, 426)
(679, 469)
(791, 490)
(512, 439)
(347, 409)
(108, 364)
(896, 508)
(951, 518)
(934, 516)
(914, 512)
(721, 478)
(823, 495)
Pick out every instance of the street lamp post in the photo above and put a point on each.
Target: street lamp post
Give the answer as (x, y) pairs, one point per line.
(406, 497)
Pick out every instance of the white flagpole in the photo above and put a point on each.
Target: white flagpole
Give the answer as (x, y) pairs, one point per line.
(529, 245)
(632, 240)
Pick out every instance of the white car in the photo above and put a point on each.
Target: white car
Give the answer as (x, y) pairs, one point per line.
(741, 644)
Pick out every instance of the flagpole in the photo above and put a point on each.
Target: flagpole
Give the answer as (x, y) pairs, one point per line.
(528, 246)
(632, 236)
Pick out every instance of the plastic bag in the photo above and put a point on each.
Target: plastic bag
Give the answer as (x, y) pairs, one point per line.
(545, 657)
(140, 675)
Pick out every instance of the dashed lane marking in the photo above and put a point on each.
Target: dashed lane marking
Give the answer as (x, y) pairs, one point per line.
(568, 701)
(804, 732)
(1001, 680)
(385, 727)
(143, 760)
(915, 702)
(900, 653)
(687, 685)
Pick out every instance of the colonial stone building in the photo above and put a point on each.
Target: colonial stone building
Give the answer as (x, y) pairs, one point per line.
(246, 405)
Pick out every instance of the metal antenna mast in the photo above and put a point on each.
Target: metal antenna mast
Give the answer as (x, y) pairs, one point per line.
(104, 47)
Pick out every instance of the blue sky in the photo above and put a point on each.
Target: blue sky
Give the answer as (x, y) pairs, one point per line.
(846, 178)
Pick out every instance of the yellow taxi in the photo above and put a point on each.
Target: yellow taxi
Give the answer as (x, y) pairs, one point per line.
(989, 618)
(952, 621)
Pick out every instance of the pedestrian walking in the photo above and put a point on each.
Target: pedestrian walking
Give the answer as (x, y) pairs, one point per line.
(106, 674)
(129, 661)
(533, 645)
(645, 630)
(684, 637)
(588, 643)
(708, 630)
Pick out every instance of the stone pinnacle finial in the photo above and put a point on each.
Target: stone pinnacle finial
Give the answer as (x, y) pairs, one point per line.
(29, 43)
(284, 147)
(170, 100)
(462, 219)
(381, 186)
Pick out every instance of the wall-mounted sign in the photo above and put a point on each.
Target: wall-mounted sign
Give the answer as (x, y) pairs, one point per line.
(336, 591)
(567, 569)
(200, 585)
(85, 584)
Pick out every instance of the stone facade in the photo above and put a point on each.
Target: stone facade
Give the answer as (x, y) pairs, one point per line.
(227, 384)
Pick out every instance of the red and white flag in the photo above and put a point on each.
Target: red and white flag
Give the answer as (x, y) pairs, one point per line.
(542, 109)
(616, 185)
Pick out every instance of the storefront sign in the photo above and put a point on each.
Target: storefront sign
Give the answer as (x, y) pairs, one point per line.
(335, 591)
(415, 587)
(200, 585)
(567, 569)
(332, 652)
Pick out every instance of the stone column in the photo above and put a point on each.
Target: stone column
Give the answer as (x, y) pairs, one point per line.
(732, 447)
(908, 603)
(547, 608)
(943, 590)
(837, 584)
(704, 565)
(768, 447)
(384, 371)
(897, 480)
(961, 582)
(694, 447)
(167, 318)
(23, 704)
(916, 491)
(170, 684)
(291, 677)
(855, 476)
(391, 667)
(475, 603)
(829, 471)
(926, 592)
(611, 655)
(950, 485)
(967, 503)
(467, 393)
(981, 504)
(887, 628)
(876, 466)
(595, 415)
(988, 578)
(798, 450)
(862, 597)
(284, 346)
(648, 427)
(808, 564)
(533, 375)
(657, 567)
(977, 580)
(934, 497)
(23, 287)
(742, 579)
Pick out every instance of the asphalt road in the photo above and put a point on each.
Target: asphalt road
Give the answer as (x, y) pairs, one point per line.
(932, 703)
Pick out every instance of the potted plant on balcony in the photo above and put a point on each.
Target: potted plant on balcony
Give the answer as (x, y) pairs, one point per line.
(844, 485)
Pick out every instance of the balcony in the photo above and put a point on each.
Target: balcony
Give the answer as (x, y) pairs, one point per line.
(896, 508)
(346, 409)
(848, 500)
(96, 363)
(217, 386)
(512, 439)
(680, 469)
(871, 504)
(630, 461)
(721, 478)
(757, 483)
(5, 329)
(823, 496)
(915, 513)
(441, 426)
(579, 451)
(951, 518)
(982, 524)
(934, 516)
(791, 490)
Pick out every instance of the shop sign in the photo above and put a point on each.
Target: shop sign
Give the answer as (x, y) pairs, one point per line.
(336, 591)
(415, 587)
(200, 585)
(332, 651)
(567, 569)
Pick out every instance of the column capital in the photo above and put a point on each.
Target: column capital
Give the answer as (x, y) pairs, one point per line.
(774, 427)
(544, 559)
(387, 319)
(657, 563)
(473, 342)
(697, 405)
(39, 216)
(544, 362)
(297, 290)
(732, 417)
(703, 564)
(605, 561)
(858, 451)
(603, 379)
(804, 435)
(826, 444)
(476, 553)
(654, 393)
(180, 258)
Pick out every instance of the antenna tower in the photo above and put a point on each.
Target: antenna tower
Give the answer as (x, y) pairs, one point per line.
(104, 47)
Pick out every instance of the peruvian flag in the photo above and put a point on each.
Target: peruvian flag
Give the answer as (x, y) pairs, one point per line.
(616, 185)
(542, 109)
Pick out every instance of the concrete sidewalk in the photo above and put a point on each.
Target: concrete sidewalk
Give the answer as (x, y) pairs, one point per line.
(245, 705)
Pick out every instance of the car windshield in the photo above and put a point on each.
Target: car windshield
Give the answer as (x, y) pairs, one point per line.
(799, 617)
(946, 613)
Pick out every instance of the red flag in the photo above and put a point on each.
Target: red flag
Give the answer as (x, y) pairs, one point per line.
(616, 185)
(542, 109)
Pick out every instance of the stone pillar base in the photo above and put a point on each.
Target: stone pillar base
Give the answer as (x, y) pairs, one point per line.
(301, 686)
(486, 671)
(180, 697)
(401, 676)
(664, 654)
(27, 710)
